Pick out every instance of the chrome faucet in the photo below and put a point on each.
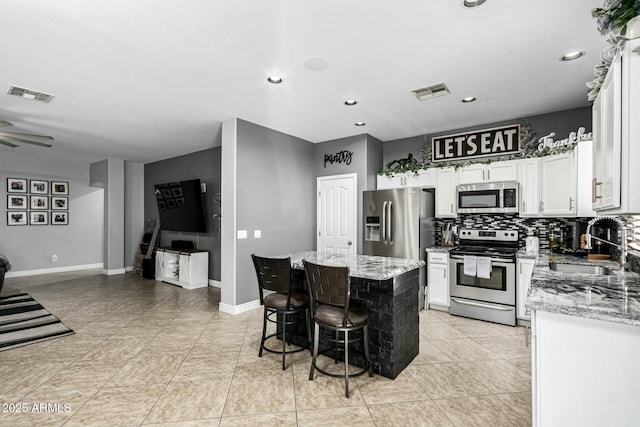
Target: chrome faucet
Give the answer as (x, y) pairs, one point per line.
(623, 236)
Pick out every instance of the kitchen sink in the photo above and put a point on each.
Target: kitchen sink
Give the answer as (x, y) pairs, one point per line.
(579, 269)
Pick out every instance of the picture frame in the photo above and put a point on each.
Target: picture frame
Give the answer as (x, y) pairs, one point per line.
(16, 202)
(60, 188)
(37, 186)
(17, 218)
(39, 203)
(59, 203)
(38, 218)
(60, 218)
(16, 185)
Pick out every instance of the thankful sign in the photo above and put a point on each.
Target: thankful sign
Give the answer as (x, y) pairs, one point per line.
(486, 142)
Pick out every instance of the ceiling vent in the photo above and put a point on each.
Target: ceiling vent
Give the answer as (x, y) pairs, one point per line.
(29, 94)
(430, 92)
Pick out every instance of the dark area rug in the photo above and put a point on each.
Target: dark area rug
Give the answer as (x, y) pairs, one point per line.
(24, 321)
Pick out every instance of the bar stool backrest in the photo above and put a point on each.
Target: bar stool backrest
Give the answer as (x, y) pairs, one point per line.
(328, 284)
(274, 274)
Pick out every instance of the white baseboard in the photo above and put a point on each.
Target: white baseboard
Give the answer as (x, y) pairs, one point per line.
(113, 271)
(237, 309)
(215, 283)
(53, 270)
(129, 268)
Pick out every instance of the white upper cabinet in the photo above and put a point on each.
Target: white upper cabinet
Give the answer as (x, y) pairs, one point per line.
(616, 131)
(493, 172)
(558, 185)
(529, 179)
(424, 178)
(447, 181)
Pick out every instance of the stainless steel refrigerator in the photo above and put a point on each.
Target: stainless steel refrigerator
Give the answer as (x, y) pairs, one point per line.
(400, 223)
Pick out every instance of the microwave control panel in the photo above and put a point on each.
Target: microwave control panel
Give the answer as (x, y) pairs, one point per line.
(510, 198)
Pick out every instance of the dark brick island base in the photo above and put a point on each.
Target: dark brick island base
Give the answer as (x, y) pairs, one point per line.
(390, 293)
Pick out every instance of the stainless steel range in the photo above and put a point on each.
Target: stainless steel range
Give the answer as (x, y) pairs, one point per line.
(483, 275)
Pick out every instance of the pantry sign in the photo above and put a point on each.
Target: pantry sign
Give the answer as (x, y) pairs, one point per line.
(481, 143)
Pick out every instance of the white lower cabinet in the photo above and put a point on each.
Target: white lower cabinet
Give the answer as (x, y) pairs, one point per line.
(447, 181)
(584, 371)
(188, 269)
(438, 280)
(524, 269)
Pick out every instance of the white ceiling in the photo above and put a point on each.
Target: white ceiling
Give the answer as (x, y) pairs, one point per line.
(146, 80)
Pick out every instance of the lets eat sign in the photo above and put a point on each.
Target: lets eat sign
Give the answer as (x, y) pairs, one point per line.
(480, 143)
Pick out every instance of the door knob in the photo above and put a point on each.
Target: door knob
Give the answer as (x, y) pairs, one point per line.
(349, 243)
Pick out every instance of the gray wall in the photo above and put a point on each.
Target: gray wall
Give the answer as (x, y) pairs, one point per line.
(203, 165)
(133, 211)
(31, 247)
(275, 193)
(560, 122)
(365, 162)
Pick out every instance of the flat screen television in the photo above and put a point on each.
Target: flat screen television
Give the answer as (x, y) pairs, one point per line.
(181, 206)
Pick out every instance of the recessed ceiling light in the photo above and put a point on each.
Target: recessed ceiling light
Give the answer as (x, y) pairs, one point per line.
(274, 79)
(572, 55)
(469, 99)
(360, 123)
(29, 94)
(472, 3)
(350, 102)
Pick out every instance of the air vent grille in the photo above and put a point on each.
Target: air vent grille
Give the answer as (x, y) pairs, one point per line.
(29, 94)
(430, 92)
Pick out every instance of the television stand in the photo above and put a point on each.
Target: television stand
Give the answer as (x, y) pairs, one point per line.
(186, 268)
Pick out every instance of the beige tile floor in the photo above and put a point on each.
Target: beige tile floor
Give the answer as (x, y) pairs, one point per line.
(148, 353)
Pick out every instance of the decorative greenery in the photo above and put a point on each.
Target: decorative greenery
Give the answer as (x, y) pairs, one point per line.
(529, 143)
(616, 43)
(408, 164)
(615, 14)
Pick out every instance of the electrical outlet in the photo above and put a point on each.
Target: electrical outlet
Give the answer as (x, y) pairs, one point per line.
(242, 234)
(54, 258)
(257, 234)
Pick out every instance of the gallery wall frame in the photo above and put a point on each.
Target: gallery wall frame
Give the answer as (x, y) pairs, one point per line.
(17, 218)
(60, 188)
(59, 218)
(59, 203)
(16, 185)
(37, 186)
(15, 201)
(38, 218)
(39, 202)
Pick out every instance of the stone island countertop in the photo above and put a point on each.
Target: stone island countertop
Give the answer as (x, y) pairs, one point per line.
(614, 297)
(363, 266)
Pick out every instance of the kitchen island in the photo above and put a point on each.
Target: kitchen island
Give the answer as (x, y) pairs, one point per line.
(388, 288)
(585, 344)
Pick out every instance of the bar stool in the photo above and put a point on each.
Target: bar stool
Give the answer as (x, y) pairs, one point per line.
(274, 274)
(332, 310)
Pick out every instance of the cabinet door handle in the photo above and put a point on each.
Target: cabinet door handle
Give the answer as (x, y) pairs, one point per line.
(451, 211)
(570, 203)
(594, 190)
(483, 175)
(524, 205)
(541, 206)
(488, 175)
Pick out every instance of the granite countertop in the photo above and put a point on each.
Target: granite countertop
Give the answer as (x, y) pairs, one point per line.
(614, 298)
(363, 266)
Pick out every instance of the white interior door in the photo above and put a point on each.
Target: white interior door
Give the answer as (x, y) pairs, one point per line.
(337, 214)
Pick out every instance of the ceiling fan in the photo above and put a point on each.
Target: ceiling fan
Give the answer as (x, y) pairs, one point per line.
(12, 139)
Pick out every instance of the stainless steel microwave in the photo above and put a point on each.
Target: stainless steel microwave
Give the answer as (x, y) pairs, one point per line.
(494, 197)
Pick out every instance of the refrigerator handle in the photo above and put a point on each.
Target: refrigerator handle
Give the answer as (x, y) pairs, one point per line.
(384, 222)
(390, 218)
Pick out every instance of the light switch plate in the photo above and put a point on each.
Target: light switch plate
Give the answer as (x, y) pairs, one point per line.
(242, 234)
(257, 234)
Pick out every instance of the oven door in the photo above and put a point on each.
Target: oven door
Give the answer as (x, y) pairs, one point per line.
(500, 288)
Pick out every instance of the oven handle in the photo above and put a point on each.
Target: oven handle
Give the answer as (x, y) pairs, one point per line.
(477, 304)
(493, 260)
